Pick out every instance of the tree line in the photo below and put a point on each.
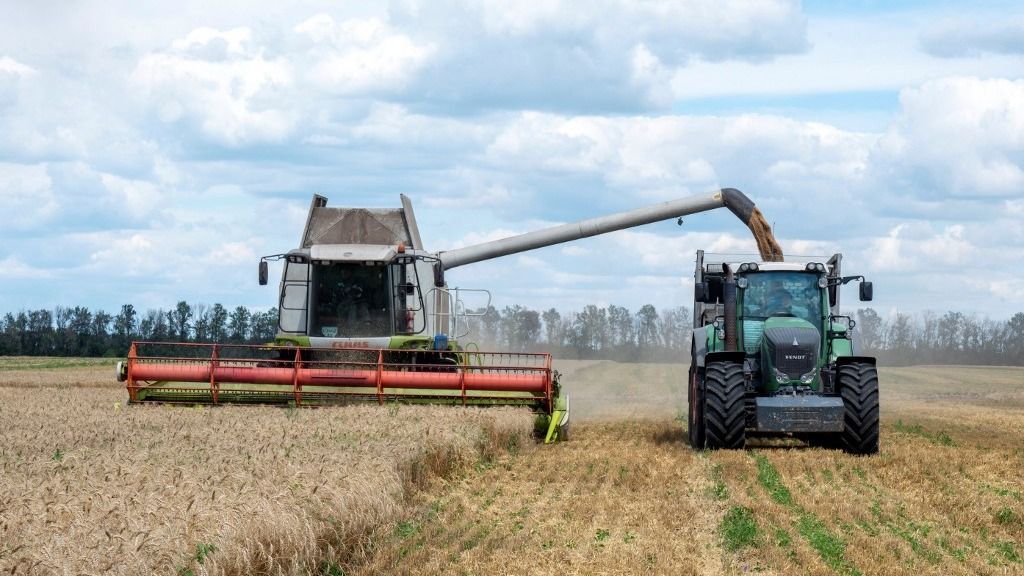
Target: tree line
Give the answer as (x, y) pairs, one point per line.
(949, 338)
(78, 331)
(612, 332)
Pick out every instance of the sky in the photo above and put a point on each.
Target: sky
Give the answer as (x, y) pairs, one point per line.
(152, 153)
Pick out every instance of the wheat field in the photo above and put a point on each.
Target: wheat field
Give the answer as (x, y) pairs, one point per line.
(91, 486)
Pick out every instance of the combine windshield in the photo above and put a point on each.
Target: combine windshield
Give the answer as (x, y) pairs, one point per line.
(351, 300)
(771, 294)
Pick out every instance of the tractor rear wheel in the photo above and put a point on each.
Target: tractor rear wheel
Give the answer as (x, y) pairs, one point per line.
(858, 386)
(695, 408)
(725, 415)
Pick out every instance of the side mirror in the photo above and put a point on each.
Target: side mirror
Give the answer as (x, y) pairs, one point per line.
(700, 291)
(866, 291)
(264, 272)
(407, 289)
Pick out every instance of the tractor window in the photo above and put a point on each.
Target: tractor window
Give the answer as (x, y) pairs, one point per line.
(351, 301)
(771, 294)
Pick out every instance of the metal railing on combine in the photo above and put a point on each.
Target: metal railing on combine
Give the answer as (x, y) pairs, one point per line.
(229, 374)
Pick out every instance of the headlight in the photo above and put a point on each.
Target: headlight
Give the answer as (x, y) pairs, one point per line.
(807, 378)
(780, 377)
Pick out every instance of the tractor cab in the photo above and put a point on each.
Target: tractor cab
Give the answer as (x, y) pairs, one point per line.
(779, 304)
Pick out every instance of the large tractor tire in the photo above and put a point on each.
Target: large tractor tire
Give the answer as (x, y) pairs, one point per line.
(858, 386)
(725, 414)
(695, 407)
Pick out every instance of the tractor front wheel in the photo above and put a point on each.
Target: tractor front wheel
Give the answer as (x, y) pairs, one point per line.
(725, 415)
(858, 386)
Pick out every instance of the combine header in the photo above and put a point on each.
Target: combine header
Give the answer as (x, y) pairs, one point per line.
(365, 314)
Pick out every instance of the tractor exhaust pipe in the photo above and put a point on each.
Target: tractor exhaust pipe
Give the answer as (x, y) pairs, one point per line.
(729, 300)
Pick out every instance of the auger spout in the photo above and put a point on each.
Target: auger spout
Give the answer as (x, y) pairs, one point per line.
(737, 202)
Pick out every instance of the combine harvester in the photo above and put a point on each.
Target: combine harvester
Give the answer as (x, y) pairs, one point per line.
(365, 314)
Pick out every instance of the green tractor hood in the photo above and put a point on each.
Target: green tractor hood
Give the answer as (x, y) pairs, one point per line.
(790, 350)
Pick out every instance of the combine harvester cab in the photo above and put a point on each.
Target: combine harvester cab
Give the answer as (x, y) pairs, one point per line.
(365, 314)
(773, 355)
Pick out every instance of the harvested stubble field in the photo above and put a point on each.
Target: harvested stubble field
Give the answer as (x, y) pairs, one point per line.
(86, 485)
(624, 496)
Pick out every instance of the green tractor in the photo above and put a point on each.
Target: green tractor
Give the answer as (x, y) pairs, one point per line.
(772, 356)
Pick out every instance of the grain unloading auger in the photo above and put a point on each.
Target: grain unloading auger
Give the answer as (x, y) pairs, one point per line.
(365, 314)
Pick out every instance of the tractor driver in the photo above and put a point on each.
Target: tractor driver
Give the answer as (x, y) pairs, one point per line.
(779, 298)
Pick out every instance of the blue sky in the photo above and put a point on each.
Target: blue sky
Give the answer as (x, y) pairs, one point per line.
(151, 154)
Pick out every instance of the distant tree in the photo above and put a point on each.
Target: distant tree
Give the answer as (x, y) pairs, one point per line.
(949, 330)
(154, 326)
(869, 329)
(593, 328)
(201, 323)
(64, 339)
(10, 336)
(180, 317)
(1014, 339)
(218, 323)
(124, 328)
(490, 325)
(263, 326)
(238, 324)
(528, 329)
(99, 337)
(40, 335)
(81, 327)
(900, 338)
(647, 327)
(552, 327)
(674, 332)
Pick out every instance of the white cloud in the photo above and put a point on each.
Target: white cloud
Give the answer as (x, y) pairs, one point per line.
(11, 66)
(913, 246)
(886, 57)
(964, 135)
(614, 55)
(131, 256)
(138, 198)
(14, 268)
(26, 195)
(491, 196)
(229, 253)
(1006, 289)
(223, 80)
(960, 38)
(360, 56)
(670, 155)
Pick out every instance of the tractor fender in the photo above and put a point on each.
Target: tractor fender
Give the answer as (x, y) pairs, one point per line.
(737, 356)
(852, 359)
